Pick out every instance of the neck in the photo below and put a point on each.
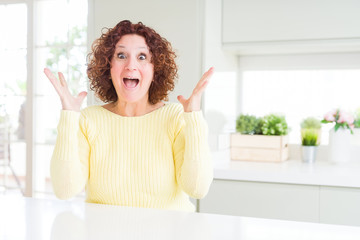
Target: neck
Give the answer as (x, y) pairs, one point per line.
(131, 109)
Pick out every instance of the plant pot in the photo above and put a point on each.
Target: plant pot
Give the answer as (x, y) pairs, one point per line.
(308, 154)
(340, 145)
(259, 148)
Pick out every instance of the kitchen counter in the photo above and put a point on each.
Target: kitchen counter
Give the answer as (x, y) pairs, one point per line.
(321, 173)
(29, 218)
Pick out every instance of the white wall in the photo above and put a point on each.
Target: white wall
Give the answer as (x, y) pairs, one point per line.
(214, 54)
(180, 22)
(225, 64)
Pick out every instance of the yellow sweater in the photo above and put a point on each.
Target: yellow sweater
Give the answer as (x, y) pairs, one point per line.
(156, 160)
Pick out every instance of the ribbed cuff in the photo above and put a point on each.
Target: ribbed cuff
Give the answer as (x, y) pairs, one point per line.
(196, 130)
(69, 121)
(195, 118)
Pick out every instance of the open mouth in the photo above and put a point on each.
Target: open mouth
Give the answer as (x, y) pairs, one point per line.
(131, 82)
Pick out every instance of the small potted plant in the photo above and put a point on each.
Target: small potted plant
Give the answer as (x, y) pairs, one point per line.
(357, 119)
(356, 130)
(260, 139)
(248, 124)
(312, 123)
(274, 125)
(310, 138)
(343, 120)
(340, 136)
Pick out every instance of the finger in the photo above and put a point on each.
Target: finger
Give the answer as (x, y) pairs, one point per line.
(62, 79)
(54, 81)
(200, 87)
(207, 75)
(50, 76)
(203, 87)
(181, 99)
(199, 90)
(81, 96)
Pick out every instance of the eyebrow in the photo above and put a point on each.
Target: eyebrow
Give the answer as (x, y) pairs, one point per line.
(122, 46)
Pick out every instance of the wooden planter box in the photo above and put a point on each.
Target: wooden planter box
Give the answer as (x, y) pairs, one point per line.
(259, 148)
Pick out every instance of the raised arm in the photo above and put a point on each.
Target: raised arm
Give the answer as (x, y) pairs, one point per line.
(194, 168)
(69, 167)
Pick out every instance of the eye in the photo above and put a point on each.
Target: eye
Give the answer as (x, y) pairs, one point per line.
(142, 56)
(121, 56)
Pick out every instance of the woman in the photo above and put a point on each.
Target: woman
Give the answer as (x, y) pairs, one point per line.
(135, 150)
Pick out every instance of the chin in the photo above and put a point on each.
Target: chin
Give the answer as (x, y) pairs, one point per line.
(133, 99)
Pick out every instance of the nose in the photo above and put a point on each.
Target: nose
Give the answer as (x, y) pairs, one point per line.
(131, 64)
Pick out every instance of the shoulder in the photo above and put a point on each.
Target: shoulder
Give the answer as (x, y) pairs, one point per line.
(92, 110)
(90, 120)
(174, 109)
(174, 116)
(92, 114)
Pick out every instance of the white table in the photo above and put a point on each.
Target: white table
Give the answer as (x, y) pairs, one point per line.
(28, 218)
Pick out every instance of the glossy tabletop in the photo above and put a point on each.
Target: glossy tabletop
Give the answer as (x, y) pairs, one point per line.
(29, 218)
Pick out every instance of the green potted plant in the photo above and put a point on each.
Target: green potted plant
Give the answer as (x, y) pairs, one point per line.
(357, 119)
(309, 142)
(274, 125)
(310, 138)
(260, 138)
(312, 123)
(248, 124)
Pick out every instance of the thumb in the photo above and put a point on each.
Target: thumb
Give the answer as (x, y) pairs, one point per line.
(82, 95)
(181, 99)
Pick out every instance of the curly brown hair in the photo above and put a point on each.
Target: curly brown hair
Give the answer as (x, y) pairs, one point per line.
(163, 59)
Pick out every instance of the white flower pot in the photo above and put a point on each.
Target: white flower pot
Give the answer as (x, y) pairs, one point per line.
(309, 154)
(340, 145)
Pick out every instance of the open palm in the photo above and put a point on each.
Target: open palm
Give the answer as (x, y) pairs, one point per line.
(193, 103)
(68, 101)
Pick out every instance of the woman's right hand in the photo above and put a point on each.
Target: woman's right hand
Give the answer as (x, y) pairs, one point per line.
(68, 101)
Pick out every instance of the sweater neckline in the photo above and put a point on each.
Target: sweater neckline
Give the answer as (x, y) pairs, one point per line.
(141, 116)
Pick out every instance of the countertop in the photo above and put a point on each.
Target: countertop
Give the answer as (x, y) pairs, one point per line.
(29, 218)
(322, 173)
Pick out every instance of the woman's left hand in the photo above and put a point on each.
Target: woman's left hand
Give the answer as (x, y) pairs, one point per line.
(193, 103)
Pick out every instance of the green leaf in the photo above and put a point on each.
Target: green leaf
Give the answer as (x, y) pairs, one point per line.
(325, 121)
(247, 124)
(309, 137)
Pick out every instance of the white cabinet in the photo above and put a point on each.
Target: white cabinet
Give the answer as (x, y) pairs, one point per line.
(311, 25)
(265, 200)
(340, 205)
(310, 203)
(283, 20)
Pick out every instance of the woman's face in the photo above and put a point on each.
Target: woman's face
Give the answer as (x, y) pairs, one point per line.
(131, 69)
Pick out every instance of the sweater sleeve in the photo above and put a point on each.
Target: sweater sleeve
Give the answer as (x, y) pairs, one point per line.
(194, 169)
(69, 168)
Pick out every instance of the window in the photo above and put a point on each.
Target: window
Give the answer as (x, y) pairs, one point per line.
(13, 74)
(299, 86)
(300, 93)
(296, 86)
(59, 29)
(61, 46)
